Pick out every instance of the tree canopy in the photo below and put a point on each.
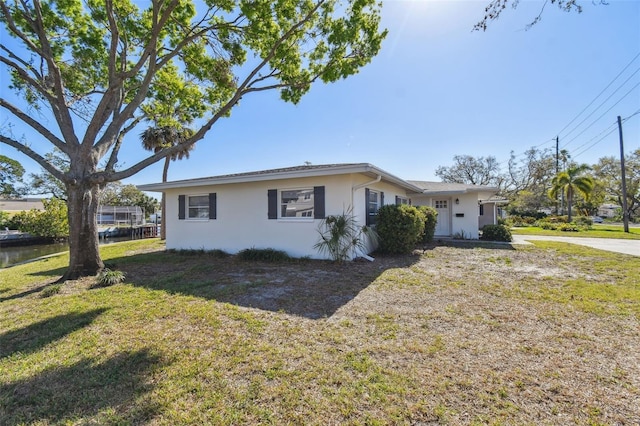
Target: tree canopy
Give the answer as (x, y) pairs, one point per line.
(472, 170)
(103, 67)
(11, 172)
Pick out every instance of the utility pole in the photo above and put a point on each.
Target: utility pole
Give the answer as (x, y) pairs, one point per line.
(625, 217)
(557, 171)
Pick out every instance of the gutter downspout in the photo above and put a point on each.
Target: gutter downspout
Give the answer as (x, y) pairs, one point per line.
(353, 191)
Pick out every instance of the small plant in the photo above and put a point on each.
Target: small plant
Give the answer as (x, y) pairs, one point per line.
(50, 290)
(108, 277)
(496, 233)
(341, 237)
(263, 255)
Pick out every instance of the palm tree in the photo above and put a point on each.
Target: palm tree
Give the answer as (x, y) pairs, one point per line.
(158, 138)
(571, 181)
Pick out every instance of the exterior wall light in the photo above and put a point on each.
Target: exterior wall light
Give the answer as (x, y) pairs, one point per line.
(457, 201)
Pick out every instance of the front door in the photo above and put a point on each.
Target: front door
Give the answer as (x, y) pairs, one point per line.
(442, 226)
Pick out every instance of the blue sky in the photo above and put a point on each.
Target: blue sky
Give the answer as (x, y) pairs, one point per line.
(436, 90)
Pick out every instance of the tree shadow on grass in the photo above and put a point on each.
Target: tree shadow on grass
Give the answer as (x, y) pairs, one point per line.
(32, 290)
(117, 387)
(308, 288)
(35, 336)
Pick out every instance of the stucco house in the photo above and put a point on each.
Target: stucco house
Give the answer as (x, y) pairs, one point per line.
(283, 208)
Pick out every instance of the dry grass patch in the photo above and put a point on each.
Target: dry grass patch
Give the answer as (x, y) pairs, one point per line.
(454, 335)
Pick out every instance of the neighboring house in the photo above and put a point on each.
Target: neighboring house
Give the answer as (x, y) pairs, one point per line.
(608, 210)
(120, 215)
(20, 204)
(283, 208)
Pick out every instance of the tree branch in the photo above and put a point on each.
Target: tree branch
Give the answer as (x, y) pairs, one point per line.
(34, 156)
(34, 124)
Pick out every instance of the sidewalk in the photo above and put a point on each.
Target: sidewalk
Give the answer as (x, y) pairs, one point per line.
(631, 247)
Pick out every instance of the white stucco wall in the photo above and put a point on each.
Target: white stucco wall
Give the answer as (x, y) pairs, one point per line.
(463, 217)
(242, 220)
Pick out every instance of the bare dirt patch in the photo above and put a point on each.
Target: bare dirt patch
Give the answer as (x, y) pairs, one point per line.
(460, 332)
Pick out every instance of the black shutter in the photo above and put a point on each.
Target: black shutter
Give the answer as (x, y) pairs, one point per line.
(398, 201)
(272, 195)
(181, 207)
(367, 219)
(381, 199)
(318, 202)
(213, 205)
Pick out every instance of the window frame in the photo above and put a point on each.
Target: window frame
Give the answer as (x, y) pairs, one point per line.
(307, 195)
(189, 207)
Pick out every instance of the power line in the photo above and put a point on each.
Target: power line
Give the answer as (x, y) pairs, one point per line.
(599, 94)
(612, 129)
(602, 115)
(598, 107)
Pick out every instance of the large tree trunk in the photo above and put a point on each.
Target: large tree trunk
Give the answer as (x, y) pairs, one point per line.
(84, 255)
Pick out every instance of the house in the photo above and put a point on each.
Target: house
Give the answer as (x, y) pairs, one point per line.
(120, 215)
(463, 209)
(283, 208)
(20, 204)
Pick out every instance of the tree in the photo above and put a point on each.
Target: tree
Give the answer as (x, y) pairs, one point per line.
(496, 7)
(607, 172)
(11, 172)
(101, 68)
(158, 138)
(472, 170)
(528, 180)
(571, 182)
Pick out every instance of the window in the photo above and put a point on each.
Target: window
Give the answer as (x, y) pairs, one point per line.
(197, 207)
(296, 203)
(441, 204)
(402, 200)
(374, 200)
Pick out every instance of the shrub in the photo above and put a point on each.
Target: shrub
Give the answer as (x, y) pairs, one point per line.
(50, 223)
(583, 221)
(496, 233)
(263, 255)
(108, 277)
(431, 218)
(399, 228)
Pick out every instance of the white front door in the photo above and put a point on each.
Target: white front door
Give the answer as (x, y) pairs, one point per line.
(442, 226)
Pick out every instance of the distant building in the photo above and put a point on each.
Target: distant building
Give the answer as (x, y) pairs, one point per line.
(20, 204)
(608, 210)
(120, 215)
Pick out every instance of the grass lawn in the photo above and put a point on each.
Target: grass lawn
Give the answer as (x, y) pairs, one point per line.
(457, 334)
(598, 231)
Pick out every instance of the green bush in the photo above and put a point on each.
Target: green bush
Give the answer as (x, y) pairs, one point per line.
(400, 228)
(583, 221)
(51, 222)
(263, 255)
(431, 218)
(496, 233)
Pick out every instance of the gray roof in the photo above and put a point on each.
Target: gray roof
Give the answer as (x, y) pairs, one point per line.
(286, 173)
(445, 188)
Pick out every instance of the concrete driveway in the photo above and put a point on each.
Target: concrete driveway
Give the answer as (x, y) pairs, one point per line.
(631, 247)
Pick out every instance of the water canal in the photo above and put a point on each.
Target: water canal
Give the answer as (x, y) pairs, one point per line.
(12, 255)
